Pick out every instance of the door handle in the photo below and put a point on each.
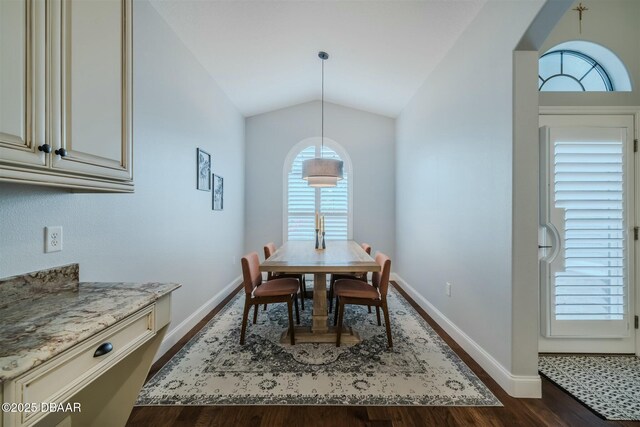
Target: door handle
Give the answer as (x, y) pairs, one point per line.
(556, 243)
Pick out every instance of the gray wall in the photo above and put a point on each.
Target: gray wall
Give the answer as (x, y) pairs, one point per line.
(612, 24)
(454, 186)
(166, 230)
(368, 139)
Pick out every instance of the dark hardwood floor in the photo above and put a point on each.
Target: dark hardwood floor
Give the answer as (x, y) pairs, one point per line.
(556, 408)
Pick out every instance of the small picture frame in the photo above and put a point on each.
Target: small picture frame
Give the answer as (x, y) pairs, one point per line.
(218, 192)
(204, 170)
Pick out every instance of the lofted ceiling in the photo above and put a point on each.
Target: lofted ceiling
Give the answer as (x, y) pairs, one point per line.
(263, 54)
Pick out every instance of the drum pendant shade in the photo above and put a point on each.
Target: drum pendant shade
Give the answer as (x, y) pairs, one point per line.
(322, 172)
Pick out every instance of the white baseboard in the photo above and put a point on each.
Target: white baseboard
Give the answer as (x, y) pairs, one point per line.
(175, 334)
(514, 385)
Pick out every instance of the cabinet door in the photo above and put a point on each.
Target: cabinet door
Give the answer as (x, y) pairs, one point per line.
(92, 104)
(22, 55)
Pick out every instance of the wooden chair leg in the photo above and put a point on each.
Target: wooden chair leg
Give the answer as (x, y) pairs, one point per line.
(340, 320)
(303, 289)
(265, 307)
(245, 318)
(385, 309)
(378, 314)
(330, 295)
(295, 299)
(335, 314)
(291, 327)
(369, 307)
(255, 313)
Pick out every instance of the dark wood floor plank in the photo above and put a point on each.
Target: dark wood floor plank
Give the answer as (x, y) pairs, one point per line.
(382, 414)
(209, 417)
(555, 409)
(276, 416)
(154, 416)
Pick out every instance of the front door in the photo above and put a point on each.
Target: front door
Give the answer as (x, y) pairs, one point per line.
(587, 233)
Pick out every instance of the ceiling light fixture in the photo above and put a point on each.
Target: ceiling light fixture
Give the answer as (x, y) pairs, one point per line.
(320, 172)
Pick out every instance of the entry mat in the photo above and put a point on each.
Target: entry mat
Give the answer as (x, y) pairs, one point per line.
(608, 385)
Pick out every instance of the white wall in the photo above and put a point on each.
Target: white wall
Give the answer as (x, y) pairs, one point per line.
(165, 231)
(368, 139)
(612, 24)
(454, 192)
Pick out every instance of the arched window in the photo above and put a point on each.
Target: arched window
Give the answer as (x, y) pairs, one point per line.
(302, 202)
(579, 66)
(571, 71)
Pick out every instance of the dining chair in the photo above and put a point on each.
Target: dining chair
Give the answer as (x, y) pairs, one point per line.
(270, 249)
(271, 291)
(356, 276)
(357, 292)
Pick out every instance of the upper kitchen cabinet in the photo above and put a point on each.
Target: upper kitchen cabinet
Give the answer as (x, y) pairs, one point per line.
(22, 83)
(87, 101)
(92, 104)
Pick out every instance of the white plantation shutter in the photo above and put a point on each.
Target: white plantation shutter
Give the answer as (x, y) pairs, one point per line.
(301, 200)
(588, 186)
(587, 209)
(334, 204)
(304, 201)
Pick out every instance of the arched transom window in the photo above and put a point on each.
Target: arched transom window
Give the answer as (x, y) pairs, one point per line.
(580, 66)
(302, 201)
(571, 71)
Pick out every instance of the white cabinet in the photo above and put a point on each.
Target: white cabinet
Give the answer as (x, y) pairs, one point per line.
(22, 82)
(102, 374)
(92, 104)
(68, 109)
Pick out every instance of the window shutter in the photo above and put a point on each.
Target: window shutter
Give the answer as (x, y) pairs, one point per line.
(301, 203)
(588, 185)
(334, 204)
(304, 201)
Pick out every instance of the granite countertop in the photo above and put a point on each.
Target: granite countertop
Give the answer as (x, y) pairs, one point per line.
(45, 313)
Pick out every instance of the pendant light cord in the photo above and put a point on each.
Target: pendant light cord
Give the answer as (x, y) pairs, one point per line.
(322, 120)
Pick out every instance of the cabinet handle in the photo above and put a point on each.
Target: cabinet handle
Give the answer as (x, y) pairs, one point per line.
(45, 147)
(103, 349)
(61, 152)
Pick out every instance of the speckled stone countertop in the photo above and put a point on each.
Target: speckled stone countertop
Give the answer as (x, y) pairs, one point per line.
(45, 313)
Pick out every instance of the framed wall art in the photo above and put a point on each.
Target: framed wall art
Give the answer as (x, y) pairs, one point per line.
(218, 192)
(204, 170)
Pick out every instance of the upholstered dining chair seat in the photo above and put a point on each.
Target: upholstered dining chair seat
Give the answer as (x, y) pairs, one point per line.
(277, 287)
(258, 292)
(269, 250)
(360, 293)
(355, 289)
(353, 276)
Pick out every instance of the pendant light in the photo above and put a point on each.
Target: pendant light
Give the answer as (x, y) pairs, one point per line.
(320, 172)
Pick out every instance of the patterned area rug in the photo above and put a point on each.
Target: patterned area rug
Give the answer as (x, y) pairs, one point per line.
(608, 385)
(213, 369)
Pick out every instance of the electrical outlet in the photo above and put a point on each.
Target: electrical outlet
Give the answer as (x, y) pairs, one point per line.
(53, 239)
(447, 289)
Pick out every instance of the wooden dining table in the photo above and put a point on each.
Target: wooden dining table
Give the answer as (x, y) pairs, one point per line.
(340, 256)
